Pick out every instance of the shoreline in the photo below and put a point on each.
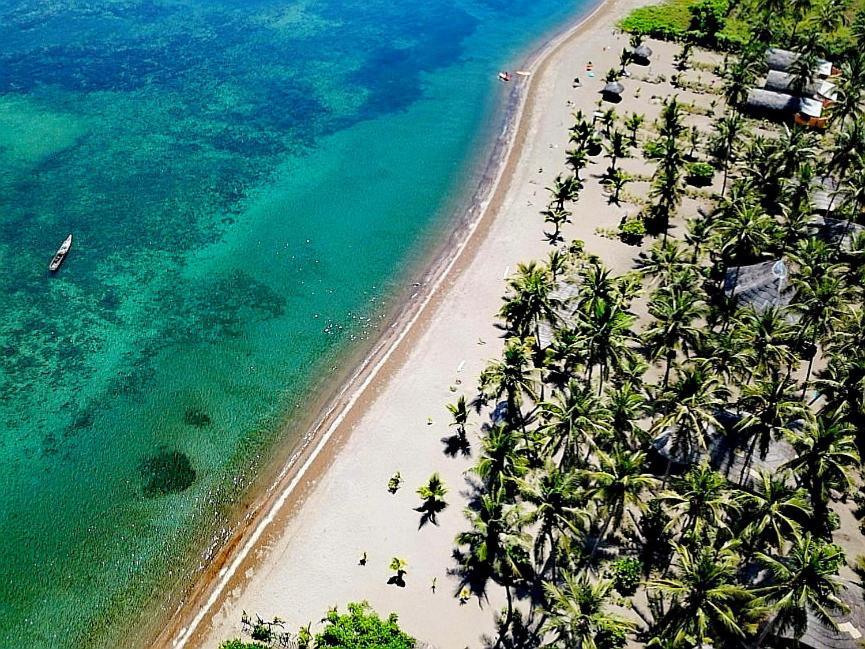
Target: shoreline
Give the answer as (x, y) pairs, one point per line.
(314, 451)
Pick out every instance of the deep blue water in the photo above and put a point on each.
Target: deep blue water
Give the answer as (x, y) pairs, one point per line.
(245, 181)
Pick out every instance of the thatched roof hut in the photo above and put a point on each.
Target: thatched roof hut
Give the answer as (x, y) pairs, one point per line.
(761, 286)
(783, 60)
(565, 292)
(642, 55)
(836, 231)
(726, 452)
(851, 625)
(768, 101)
(779, 81)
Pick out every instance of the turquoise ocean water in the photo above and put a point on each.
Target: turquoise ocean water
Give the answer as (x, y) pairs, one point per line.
(244, 180)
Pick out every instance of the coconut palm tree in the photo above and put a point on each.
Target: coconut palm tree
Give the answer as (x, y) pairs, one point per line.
(494, 548)
(616, 181)
(502, 462)
(606, 333)
(633, 124)
(572, 422)
(564, 189)
(433, 494)
(530, 300)
(458, 443)
(616, 148)
(820, 301)
(775, 512)
(724, 143)
(675, 326)
(842, 387)
(802, 582)
(557, 507)
(769, 338)
(699, 500)
(557, 217)
(663, 261)
(616, 483)
(825, 461)
(579, 617)
(770, 407)
(627, 404)
(577, 158)
(514, 377)
(707, 606)
(743, 233)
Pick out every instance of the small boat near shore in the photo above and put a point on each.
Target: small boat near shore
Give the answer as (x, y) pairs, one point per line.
(60, 255)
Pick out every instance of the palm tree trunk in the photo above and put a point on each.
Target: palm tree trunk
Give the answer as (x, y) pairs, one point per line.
(601, 534)
(508, 619)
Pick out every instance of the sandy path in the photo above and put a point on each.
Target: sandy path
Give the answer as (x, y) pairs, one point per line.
(307, 560)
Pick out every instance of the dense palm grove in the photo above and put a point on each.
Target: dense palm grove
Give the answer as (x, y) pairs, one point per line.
(601, 507)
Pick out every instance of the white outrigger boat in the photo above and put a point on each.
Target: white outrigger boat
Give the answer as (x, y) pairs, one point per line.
(60, 255)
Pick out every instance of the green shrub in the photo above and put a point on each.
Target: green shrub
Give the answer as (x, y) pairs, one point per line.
(699, 21)
(632, 231)
(626, 575)
(240, 644)
(667, 21)
(699, 174)
(362, 628)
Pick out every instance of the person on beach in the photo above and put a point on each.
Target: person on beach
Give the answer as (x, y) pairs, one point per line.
(362, 561)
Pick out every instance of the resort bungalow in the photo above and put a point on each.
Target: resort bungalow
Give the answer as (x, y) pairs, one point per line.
(850, 623)
(768, 103)
(837, 232)
(726, 452)
(785, 82)
(783, 60)
(761, 286)
(810, 113)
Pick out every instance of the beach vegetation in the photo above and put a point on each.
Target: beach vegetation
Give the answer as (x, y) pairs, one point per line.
(362, 628)
(394, 482)
(699, 174)
(433, 495)
(240, 644)
(399, 567)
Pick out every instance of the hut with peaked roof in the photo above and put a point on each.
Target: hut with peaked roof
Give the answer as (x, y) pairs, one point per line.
(838, 232)
(726, 452)
(768, 102)
(565, 292)
(779, 81)
(761, 286)
(782, 60)
(850, 625)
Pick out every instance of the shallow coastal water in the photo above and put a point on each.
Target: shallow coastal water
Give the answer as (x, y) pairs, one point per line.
(245, 181)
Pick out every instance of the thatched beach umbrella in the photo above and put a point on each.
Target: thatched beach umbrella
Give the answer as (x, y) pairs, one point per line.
(613, 91)
(642, 54)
